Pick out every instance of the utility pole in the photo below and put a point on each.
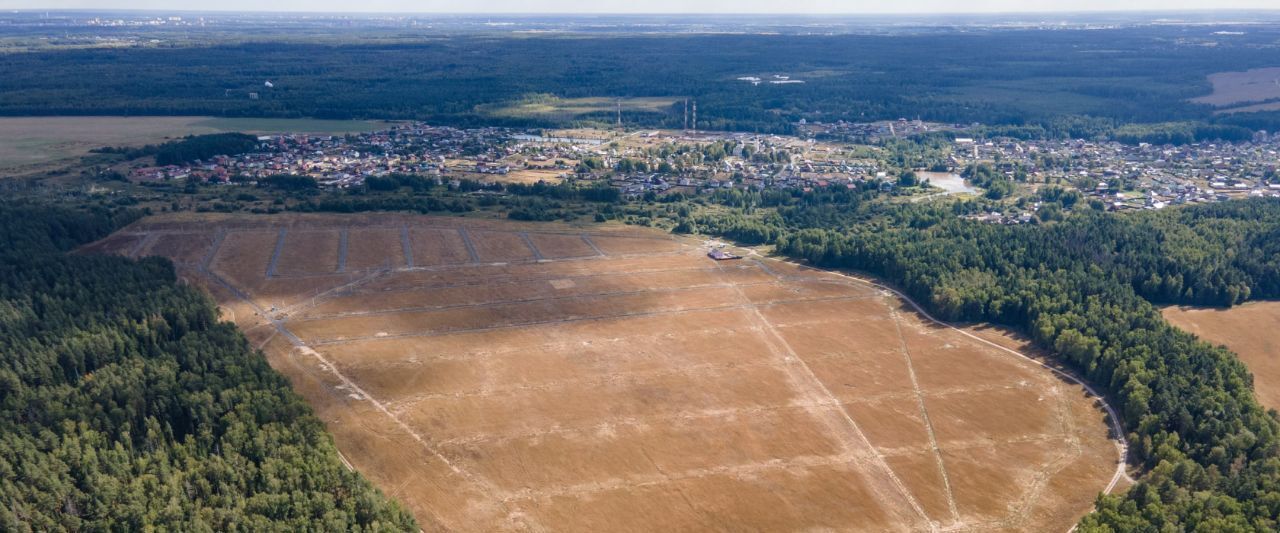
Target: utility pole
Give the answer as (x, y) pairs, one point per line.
(695, 116)
(686, 114)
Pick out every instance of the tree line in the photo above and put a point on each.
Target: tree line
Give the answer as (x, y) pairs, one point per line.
(189, 149)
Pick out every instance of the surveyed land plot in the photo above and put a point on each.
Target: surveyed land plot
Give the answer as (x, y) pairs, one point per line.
(507, 376)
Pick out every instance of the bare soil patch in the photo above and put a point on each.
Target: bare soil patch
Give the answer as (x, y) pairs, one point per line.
(309, 252)
(611, 245)
(374, 248)
(494, 246)
(561, 246)
(626, 382)
(433, 246)
(184, 248)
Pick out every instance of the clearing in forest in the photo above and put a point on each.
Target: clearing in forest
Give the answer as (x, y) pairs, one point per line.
(551, 107)
(1246, 87)
(495, 375)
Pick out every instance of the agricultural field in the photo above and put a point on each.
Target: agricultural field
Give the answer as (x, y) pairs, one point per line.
(495, 375)
(1249, 331)
(1245, 87)
(35, 141)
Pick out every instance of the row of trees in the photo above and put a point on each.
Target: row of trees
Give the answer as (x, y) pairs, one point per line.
(1180, 133)
(190, 148)
(125, 405)
(1103, 128)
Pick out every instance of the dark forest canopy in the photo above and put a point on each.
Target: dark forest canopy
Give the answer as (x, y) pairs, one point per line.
(1142, 74)
(125, 405)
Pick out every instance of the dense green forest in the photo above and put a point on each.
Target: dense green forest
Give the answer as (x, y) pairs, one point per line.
(1020, 77)
(125, 405)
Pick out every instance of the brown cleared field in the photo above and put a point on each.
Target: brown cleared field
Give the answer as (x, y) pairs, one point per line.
(625, 382)
(500, 246)
(181, 248)
(374, 248)
(562, 246)
(1251, 330)
(1253, 85)
(309, 252)
(616, 245)
(436, 246)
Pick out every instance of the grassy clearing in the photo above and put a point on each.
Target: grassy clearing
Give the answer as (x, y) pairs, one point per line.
(1253, 85)
(550, 107)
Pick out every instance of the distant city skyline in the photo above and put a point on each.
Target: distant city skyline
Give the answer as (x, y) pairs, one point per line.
(726, 7)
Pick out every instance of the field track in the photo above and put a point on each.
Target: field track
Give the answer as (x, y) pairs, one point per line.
(1122, 444)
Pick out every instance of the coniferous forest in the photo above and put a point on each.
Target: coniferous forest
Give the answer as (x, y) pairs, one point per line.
(125, 405)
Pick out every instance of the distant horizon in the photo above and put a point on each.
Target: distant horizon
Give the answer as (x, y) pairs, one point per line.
(747, 8)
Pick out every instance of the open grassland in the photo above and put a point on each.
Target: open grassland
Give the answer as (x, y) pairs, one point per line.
(553, 108)
(495, 375)
(1249, 86)
(31, 141)
(1249, 330)
(34, 140)
(292, 125)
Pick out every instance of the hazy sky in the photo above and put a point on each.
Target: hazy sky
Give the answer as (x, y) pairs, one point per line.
(650, 6)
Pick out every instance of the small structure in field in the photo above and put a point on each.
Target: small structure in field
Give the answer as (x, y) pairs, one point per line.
(721, 255)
